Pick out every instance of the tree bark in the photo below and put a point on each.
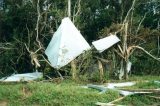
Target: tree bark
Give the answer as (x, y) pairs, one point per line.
(101, 72)
(125, 51)
(73, 64)
(69, 8)
(73, 69)
(125, 55)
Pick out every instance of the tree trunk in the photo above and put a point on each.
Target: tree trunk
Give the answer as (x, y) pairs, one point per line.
(69, 9)
(112, 65)
(73, 64)
(73, 69)
(101, 72)
(123, 70)
(125, 52)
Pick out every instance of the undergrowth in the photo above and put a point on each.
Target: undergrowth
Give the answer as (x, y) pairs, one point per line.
(69, 93)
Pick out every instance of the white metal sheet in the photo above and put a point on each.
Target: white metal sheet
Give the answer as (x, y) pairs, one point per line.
(66, 44)
(105, 43)
(22, 77)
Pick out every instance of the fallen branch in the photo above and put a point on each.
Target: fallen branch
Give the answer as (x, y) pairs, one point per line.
(101, 59)
(110, 103)
(155, 97)
(142, 90)
(116, 100)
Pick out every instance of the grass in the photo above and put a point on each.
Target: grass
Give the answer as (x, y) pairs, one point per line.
(68, 93)
(140, 100)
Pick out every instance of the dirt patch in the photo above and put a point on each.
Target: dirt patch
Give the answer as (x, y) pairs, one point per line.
(26, 92)
(3, 103)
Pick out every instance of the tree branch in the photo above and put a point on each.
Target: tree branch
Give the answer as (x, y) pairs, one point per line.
(138, 47)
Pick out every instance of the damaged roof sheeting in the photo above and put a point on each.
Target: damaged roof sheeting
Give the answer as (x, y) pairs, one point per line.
(114, 87)
(105, 43)
(66, 44)
(22, 77)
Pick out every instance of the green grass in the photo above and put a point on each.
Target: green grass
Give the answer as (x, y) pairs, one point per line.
(68, 93)
(140, 100)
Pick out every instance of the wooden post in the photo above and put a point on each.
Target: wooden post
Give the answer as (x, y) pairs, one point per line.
(73, 69)
(101, 72)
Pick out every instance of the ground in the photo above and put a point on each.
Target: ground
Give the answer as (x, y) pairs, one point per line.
(71, 93)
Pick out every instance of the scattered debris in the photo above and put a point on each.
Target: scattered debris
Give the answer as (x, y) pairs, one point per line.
(102, 89)
(67, 43)
(112, 86)
(127, 93)
(123, 84)
(105, 43)
(156, 91)
(22, 77)
(157, 82)
(122, 91)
